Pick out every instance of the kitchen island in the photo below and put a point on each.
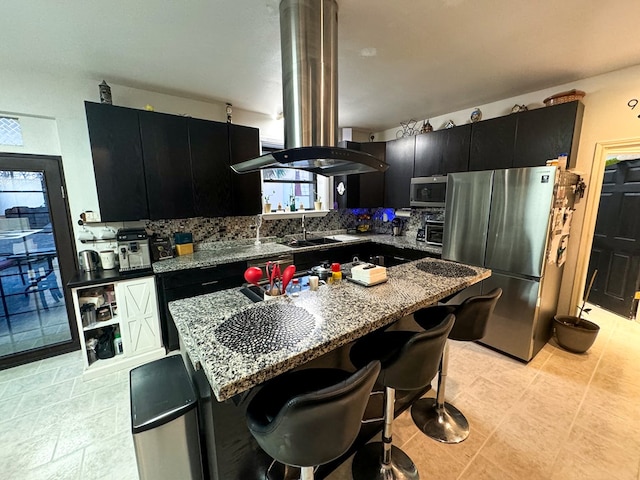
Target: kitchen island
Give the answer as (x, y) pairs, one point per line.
(237, 344)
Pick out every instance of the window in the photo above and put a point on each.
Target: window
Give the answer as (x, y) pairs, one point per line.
(10, 132)
(284, 185)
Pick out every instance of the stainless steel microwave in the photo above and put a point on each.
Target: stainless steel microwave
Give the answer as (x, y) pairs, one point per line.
(428, 191)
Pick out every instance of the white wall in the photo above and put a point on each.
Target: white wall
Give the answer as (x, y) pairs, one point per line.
(51, 109)
(607, 117)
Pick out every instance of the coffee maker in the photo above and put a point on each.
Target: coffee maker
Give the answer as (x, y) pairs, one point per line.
(133, 249)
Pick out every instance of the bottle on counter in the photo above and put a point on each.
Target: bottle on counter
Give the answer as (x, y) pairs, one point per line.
(336, 273)
(296, 288)
(117, 344)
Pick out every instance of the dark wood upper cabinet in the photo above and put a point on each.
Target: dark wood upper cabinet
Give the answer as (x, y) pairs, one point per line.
(493, 143)
(244, 144)
(442, 152)
(210, 167)
(117, 162)
(167, 165)
(365, 190)
(428, 159)
(372, 184)
(156, 166)
(400, 155)
(545, 133)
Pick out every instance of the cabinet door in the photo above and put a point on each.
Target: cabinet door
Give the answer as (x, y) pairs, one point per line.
(244, 144)
(493, 143)
(371, 193)
(545, 133)
(209, 144)
(455, 146)
(165, 149)
(397, 179)
(365, 190)
(428, 159)
(114, 134)
(138, 308)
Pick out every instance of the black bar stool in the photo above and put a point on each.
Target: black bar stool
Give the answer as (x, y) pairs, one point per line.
(409, 362)
(436, 418)
(310, 417)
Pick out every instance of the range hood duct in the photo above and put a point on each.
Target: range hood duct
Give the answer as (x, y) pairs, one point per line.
(308, 35)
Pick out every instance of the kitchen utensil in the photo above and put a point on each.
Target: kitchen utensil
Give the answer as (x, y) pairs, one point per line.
(253, 275)
(270, 271)
(287, 275)
(323, 271)
(108, 259)
(89, 260)
(278, 277)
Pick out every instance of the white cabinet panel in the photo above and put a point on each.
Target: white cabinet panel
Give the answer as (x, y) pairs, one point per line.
(138, 306)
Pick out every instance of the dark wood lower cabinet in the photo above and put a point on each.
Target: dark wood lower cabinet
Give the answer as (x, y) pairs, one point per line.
(230, 451)
(191, 283)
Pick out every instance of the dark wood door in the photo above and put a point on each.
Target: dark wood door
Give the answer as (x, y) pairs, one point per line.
(372, 184)
(493, 143)
(616, 242)
(428, 156)
(244, 144)
(365, 190)
(397, 179)
(117, 162)
(165, 150)
(545, 133)
(209, 144)
(454, 146)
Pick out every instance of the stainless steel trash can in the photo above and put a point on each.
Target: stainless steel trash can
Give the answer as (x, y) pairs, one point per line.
(164, 421)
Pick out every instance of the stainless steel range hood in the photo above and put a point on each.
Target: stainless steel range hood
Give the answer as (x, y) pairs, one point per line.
(309, 33)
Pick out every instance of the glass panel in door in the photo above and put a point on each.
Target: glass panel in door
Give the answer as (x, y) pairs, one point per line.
(33, 313)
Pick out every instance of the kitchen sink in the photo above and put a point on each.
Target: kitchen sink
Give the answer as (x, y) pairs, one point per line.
(312, 242)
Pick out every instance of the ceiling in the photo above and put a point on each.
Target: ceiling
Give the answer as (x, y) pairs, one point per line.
(431, 56)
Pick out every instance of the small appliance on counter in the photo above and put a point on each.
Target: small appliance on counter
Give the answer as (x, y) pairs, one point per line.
(433, 226)
(133, 249)
(397, 225)
(89, 260)
(160, 248)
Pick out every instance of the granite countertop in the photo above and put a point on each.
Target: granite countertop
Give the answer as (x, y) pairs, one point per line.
(241, 344)
(216, 254)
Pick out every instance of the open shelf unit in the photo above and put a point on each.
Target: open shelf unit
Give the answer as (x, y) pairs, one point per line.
(128, 308)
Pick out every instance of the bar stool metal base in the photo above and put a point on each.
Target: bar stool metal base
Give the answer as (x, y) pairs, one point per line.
(446, 424)
(367, 464)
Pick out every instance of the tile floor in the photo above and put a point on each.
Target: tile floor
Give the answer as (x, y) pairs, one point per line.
(562, 416)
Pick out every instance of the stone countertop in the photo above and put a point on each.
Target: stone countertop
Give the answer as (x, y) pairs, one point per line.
(241, 344)
(229, 252)
(403, 241)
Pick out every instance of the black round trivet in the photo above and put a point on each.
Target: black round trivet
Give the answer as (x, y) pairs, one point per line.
(445, 269)
(267, 328)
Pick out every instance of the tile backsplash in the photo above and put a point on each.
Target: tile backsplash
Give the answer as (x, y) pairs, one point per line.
(239, 228)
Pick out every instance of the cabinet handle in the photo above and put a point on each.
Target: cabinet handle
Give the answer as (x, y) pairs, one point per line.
(213, 282)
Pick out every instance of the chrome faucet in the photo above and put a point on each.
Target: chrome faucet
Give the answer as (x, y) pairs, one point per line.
(257, 226)
(304, 230)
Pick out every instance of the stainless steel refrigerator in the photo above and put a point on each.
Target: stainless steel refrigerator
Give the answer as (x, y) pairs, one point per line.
(501, 220)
